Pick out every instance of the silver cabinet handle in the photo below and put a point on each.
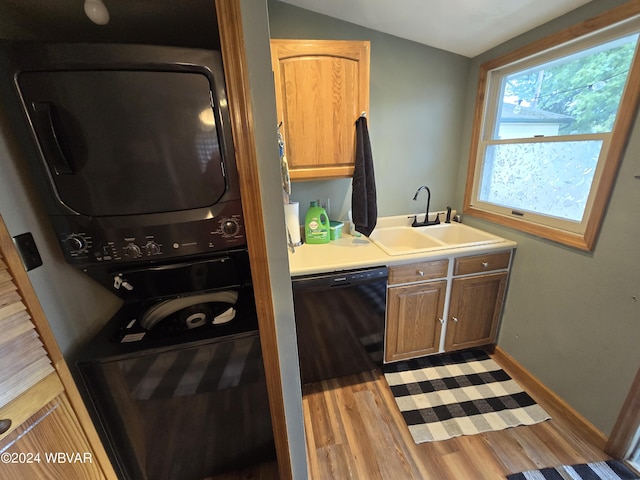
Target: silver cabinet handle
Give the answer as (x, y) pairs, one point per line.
(421, 273)
(455, 319)
(485, 264)
(441, 320)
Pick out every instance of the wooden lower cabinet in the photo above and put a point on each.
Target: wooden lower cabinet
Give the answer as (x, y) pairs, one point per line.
(417, 303)
(54, 448)
(414, 320)
(474, 311)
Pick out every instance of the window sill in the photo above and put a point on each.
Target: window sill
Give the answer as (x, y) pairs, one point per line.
(585, 242)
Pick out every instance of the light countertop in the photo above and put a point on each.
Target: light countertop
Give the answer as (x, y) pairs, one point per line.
(348, 253)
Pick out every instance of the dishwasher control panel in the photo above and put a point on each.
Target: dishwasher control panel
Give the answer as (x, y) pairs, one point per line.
(346, 277)
(360, 276)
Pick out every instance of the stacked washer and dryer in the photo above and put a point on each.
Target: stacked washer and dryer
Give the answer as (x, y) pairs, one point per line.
(133, 153)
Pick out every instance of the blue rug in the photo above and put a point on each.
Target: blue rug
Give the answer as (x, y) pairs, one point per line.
(609, 470)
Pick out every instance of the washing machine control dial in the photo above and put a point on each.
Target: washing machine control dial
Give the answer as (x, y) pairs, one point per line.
(132, 250)
(76, 243)
(152, 248)
(230, 227)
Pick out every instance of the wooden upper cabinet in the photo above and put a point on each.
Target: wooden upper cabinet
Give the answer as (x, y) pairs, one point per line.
(322, 87)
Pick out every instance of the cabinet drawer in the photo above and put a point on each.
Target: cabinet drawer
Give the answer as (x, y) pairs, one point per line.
(416, 272)
(481, 263)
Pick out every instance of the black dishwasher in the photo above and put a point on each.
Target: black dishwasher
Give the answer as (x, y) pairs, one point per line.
(340, 322)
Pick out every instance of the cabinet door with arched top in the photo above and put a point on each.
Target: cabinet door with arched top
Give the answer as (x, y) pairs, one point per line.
(322, 87)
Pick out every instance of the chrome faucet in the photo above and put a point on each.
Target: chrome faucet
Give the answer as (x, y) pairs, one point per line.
(426, 215)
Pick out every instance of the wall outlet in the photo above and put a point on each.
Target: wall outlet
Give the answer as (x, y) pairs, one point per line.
(326, 204)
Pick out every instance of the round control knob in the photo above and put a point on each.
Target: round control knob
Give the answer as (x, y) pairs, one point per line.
(76, 243)
(132, 250)
(230, 227)
(152, 248)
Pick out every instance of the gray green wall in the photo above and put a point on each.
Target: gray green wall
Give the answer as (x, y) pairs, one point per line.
(416, 102)
(570, 317)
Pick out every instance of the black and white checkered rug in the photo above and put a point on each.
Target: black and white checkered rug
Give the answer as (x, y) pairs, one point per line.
(462, 393)
(609, 470)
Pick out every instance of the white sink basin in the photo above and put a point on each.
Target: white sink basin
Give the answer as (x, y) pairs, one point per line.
(458, 234)
(403, 240)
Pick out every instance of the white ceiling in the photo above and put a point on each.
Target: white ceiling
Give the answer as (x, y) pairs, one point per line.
(465, 27)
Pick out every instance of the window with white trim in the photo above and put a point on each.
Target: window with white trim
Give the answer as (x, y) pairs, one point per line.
(551, 123)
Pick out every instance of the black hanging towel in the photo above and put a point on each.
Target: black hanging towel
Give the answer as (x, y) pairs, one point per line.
(363, 185)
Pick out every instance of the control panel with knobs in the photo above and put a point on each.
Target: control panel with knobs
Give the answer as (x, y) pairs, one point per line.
(86, 242)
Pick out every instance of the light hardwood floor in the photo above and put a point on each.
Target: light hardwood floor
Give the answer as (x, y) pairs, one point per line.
(355, 431)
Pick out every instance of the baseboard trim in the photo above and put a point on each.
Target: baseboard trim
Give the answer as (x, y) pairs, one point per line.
(543, 395)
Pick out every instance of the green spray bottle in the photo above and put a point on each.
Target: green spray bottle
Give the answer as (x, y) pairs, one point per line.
(316, 225)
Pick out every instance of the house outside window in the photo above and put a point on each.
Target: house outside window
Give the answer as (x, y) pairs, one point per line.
(551, 123)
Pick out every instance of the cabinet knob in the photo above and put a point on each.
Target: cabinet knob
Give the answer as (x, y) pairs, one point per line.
(455, 319)
(5, 424)
(485, 264)
(421, 273)
(441, 320)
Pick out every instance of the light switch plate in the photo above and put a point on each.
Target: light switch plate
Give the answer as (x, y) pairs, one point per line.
(26, 246)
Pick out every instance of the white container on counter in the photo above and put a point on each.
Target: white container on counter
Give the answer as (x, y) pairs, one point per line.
(292, 221)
